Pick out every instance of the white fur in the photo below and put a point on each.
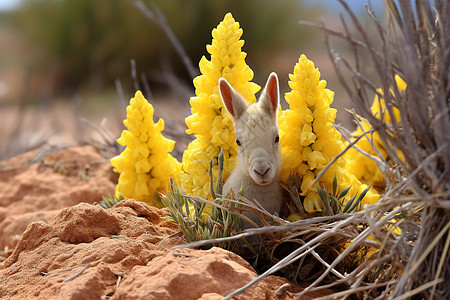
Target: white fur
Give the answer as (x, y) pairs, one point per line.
(259, 161)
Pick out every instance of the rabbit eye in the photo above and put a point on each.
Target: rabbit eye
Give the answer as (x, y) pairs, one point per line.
(238, 142)
(277, 139)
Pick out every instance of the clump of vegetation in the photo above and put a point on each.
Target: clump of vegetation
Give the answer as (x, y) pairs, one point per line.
(203, 219)
(108, 201)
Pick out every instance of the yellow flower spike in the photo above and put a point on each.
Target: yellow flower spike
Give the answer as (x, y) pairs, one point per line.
(145, 166)
(365, 168)
(308, 138)
(210, 122)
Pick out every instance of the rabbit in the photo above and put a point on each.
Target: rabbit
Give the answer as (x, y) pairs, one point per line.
(259, 159)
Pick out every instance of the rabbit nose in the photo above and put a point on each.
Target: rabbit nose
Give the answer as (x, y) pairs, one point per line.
(262, 170)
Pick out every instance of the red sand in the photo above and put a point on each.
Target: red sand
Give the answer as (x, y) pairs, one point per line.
(119, 253)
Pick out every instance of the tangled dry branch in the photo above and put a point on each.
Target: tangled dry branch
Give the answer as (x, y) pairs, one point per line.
(398, 247)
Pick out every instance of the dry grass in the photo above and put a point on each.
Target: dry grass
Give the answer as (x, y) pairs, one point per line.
(399, 247)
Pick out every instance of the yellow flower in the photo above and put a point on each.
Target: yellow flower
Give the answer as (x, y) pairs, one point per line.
(145, 166)
(362, 166)
(379, 105)
(364, 251)
(210, 122)
(309, 140)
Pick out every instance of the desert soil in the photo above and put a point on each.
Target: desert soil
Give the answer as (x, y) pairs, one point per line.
(58, 245)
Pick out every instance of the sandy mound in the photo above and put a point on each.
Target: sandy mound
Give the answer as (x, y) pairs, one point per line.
(37, 191)
(73, 250)
(87, 252)
(111, 241)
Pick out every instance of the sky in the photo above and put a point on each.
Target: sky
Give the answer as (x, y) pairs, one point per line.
(335, 7)
(8, 4)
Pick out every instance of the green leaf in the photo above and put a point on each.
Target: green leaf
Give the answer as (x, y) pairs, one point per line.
(344, 192)
(202, 207)
(349, 203)
(363, 194)
(324, 197)
(334, 203)
(211, 179)
(322, 193)
(360, 198)
(186, 205)
(116, 237)
(334, 185)
(241, 191)
(219, 183)
(108, 202)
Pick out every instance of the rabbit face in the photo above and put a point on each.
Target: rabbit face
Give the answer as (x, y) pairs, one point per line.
(259, 149)
(256, 130)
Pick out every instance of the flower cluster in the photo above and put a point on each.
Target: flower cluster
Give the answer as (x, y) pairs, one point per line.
(365, 252)
(210, 121)
(145, 166)
(365, 168)
(309, 140)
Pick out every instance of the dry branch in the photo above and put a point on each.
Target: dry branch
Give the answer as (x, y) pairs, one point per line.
(157, 17)
(398, 247)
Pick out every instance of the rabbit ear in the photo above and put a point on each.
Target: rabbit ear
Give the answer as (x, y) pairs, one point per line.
(270, 96)
(234, 102)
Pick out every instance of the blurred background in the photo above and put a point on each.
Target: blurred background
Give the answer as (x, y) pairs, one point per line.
(69, 67)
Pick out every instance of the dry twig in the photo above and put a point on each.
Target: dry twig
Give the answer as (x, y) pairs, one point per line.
(399, 247)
